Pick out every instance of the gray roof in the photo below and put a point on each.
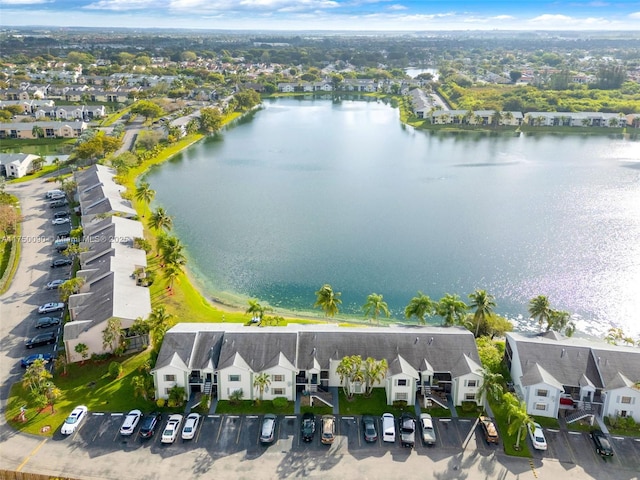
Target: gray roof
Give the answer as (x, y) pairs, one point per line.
(442, 348)
(406, 349)
(536, 374)
(625, 360)
(261, 350)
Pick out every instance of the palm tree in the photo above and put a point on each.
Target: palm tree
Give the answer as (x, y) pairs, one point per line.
(558, 320)
(160, 220)
(171, 250)
(491, 387)
(375, 305)
(144, 193)
(328, 300)
(346, 370)
(452, 309)
(256, 309)
(37, 131)
(172, 274)
(374, 372)
(261, 382)
(539, 308)
(519, 420)
(420, 306)
(484, 304)
(139, 386)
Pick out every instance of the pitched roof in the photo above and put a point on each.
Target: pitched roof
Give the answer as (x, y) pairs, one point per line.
(259, 349)
(180, 344)
(536, 374)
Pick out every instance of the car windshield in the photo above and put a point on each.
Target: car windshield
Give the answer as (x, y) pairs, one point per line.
(539, 439)
(188, 429)
(71, 420)
(604, 442)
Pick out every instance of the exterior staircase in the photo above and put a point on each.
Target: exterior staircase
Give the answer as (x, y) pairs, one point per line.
(585, 412)
(207, 388)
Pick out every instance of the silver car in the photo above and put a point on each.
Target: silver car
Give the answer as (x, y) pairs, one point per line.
(427, 430)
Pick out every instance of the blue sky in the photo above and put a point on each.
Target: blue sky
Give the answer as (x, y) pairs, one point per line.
(388, 15)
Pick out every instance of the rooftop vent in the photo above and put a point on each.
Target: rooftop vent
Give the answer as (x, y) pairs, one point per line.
(563, 352)
(417, 339)
(430, 340)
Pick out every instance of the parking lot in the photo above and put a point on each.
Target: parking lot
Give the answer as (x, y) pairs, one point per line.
(226, 435)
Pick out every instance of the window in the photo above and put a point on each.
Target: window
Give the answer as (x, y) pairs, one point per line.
(402, 396)
(234, 378)
(625, 400)
(542, 393)
(166, 391)
(541, 406)
(278, 391)
(470, 397)
(401, 382)
(324, 375)
(169, 378)
(623, 413)
(472, 383)
(277, 378)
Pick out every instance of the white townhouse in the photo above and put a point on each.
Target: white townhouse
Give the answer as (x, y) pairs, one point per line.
(99, 195)
(223, 358)
(602, 379)
(16, 165)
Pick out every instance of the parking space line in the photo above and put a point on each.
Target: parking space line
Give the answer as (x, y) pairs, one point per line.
(219, 430)
(97, 414)
(239, 430)
(618, 438)
(290, 416)
(575, 433)
(552, 430)
(252, 416)
(213, 416)
(117, 414)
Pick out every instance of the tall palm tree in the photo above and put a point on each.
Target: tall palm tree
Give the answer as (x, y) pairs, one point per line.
(484, 304)
(374, 372)
(519, 420)
(539, 308)
(171, 251)
(375, 305)
(328, 300)
(256, 309)
(144, 193)
(452, 309)
(172, 274)
(491, 387)
(420, 306)
(261, 382)
(160, 220)
(349, 368)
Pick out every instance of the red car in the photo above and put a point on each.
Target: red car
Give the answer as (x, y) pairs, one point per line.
(566, 401)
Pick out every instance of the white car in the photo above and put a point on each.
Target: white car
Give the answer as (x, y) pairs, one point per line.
(426, 427)
(537, 437)
(73, 421)
(190, 426)
(60, 221)
(170, 432)
(53, 284)
(51, 307)
(130, 422)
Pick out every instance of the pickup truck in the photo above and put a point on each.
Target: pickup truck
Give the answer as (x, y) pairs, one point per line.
(489, 429)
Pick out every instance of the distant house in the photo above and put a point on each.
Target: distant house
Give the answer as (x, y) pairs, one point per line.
(16, 165)
(224, 358)
(576, 119)
(602, 379)
(52, 129)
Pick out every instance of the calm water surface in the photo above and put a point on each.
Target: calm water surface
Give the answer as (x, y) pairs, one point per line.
(306, 192)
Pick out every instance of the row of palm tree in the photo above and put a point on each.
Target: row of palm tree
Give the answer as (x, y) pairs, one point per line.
(452, 309)
(353, 370)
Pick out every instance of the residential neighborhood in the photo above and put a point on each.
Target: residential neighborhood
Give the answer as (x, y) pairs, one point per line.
(117, 354)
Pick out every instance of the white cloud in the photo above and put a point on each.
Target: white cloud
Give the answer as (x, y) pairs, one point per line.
(23, 2)
(635, 15)
(119, 5)
(190, 6)
(396, 7)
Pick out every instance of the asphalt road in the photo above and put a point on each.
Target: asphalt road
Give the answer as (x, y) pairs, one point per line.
(227, 447)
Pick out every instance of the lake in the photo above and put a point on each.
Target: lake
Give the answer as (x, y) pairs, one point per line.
(311, 191)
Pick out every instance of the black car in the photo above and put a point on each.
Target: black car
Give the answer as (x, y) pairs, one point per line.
(407, 430)
(369, 429)
(61, 262)
(601, 442)
(42, 339)
(46, 322)
(308, 426)
(149, 424)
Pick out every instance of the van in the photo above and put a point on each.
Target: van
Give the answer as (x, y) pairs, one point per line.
(51, 193)
(58, 203)
(388, 428)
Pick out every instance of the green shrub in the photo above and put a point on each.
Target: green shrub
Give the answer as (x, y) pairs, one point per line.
(280, 402)
(469, 406)
(236, 397)
(115, 369)
(401, 404)
(161, 402)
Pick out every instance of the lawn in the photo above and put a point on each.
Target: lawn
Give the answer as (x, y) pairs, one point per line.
(245, 407)
(88, 384)
(509, 441)
(580, 426)
(376, 404)
(546, 422)
(318, 409)
(469, 411)
(438, 412)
